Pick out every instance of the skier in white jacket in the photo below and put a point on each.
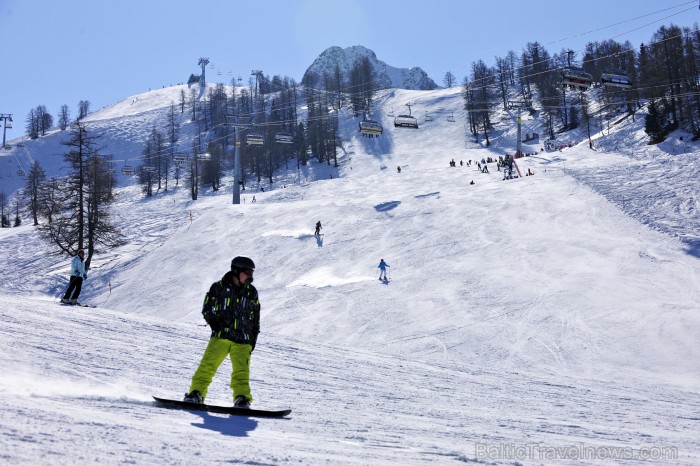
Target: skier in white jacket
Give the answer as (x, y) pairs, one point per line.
(77, 275)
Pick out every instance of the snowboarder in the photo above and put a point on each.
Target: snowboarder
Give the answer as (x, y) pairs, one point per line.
(77, 275)
(382, 269)
(318, 228)
(232, 310)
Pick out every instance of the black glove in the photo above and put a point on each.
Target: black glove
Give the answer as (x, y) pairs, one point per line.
(214, 325)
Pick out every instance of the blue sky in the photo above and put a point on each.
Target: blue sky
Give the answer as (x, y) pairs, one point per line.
(58, 53)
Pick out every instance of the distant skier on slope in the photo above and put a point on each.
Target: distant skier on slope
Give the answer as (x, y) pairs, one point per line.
(318, 228)
(232, 310)
(382, 269)
(77, 275)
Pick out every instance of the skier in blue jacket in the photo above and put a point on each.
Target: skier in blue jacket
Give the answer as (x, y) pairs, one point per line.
(77, 275)
(382, 269)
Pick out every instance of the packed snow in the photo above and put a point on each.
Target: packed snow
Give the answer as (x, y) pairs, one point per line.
(548, 319)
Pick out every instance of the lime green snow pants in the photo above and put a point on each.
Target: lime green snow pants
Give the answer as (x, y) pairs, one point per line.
(214, 355)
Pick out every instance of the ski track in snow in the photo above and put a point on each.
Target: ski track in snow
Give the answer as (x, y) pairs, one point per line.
(558, 310)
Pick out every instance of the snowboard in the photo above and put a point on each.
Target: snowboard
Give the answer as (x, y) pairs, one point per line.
(79, 304)
(175, 404)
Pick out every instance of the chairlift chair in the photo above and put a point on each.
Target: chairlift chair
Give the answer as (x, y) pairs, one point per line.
(451, 117)
(20, 172)
(148, 168)
(428, 117)
(615, 78)
(576, 78)
(371, 128)
(284, 137)
(405, 121)
(128, 170)
(254, 139)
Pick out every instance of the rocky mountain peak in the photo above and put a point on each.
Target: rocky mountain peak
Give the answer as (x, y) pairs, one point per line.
(385, 76)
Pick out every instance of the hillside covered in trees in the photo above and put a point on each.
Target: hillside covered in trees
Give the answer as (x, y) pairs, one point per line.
(192, 136)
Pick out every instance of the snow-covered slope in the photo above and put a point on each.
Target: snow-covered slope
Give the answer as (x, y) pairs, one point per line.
(550, 311)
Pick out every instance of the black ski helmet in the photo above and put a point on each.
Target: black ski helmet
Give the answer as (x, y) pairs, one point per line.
(241, 262)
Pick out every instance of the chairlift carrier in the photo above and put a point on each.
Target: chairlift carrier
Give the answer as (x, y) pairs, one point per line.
(255, 139)
(615, 78)
(405, 121)
(284, 137)
(576, 78)
(371, 127)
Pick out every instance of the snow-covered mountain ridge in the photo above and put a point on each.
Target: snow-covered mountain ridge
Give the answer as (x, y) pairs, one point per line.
(385, 76)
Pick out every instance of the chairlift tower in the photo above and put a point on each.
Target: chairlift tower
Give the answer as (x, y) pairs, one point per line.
(5, 117)
(518, 105)
(203, 62)
(568, 57)
(258, 77)
(232, 120)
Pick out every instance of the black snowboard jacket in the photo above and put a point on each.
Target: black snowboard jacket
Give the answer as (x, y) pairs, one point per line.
(233, 313)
